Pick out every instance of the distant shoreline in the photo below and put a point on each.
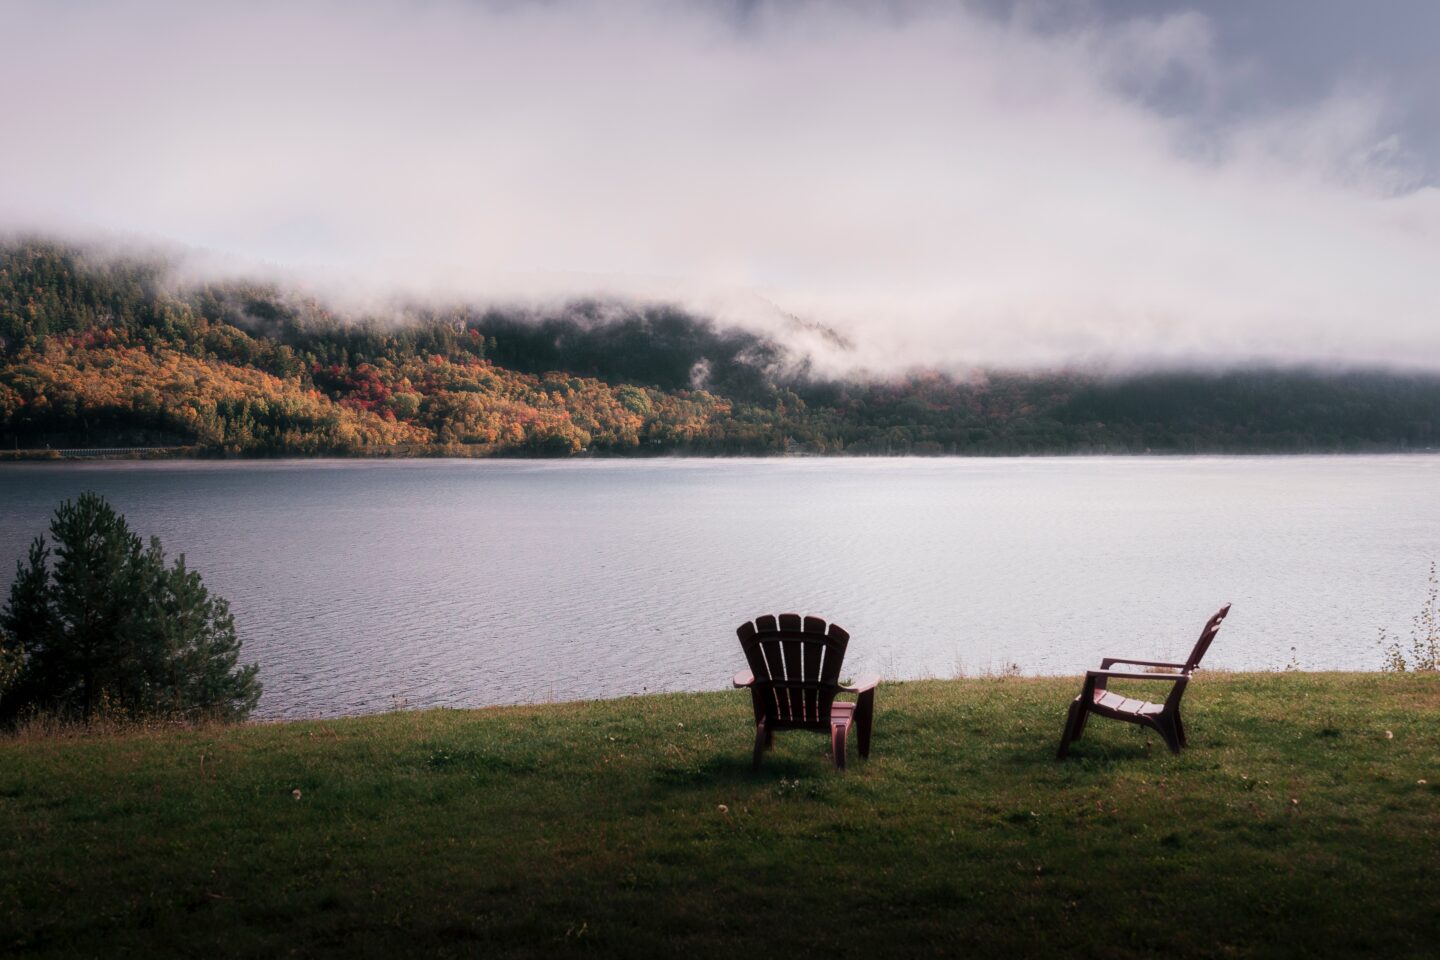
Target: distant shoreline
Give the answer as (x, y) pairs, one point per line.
(133, 454)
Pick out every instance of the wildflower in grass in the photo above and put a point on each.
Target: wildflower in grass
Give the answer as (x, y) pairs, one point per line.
(1423, 654)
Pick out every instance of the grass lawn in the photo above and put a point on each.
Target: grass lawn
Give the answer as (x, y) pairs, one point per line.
(1298, 823)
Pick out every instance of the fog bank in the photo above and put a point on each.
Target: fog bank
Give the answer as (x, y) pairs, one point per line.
(942, 185)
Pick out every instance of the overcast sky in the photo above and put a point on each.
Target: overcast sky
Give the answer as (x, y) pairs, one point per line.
(1005, 183)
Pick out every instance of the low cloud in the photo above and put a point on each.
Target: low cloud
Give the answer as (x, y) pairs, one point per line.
(942, 186)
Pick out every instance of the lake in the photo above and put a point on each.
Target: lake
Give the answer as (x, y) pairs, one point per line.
(365, 585)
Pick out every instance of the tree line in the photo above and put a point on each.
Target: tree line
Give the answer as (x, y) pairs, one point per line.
(101, 352)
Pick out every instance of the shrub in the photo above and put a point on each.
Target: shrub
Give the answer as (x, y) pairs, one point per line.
(108, 626)
(1424, 651)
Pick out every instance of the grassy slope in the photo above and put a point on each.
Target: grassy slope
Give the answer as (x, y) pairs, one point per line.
(597, 828)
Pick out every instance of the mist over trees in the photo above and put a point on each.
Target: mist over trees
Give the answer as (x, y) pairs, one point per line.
(657, 345)
(111, 352)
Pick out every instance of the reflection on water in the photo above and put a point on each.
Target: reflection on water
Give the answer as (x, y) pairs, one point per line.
(360, 585)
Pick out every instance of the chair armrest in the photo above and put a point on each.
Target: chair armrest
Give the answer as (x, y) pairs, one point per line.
(1109, 662)
(743, 679)
(1127, 675)
(867, 682)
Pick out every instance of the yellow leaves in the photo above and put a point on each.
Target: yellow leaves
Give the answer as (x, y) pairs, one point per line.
(411, 401)
(198, 397)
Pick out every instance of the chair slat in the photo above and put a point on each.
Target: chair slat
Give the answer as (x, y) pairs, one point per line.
(812, 655)
(836, 641)
(1207, 636)
(774, 662)
(754, 656)
(794, 670)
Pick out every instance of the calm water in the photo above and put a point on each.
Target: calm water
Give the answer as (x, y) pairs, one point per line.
(364, 585)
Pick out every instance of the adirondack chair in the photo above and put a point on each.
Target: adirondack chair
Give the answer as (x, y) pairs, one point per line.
(1164, 718)
(794, 677)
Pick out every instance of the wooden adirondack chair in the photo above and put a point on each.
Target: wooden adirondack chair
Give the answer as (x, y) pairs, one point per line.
(1164, 718)
(794, 677)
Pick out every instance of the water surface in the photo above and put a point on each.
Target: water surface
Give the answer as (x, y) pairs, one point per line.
(362, 585)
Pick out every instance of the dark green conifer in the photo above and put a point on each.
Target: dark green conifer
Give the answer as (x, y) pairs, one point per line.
(108, 626)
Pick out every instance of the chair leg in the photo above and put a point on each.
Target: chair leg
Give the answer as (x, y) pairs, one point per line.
(763, 738)
(837, 743)
(1165, 725)
(864, 719)
(1074, 721)
(1081, 721)
(1180, 729)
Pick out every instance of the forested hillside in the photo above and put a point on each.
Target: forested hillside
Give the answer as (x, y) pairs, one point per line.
(111, 353)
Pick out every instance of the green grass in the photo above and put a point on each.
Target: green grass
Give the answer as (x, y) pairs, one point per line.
(1293, 826)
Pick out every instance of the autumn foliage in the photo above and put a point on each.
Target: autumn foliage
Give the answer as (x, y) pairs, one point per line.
(102, 354)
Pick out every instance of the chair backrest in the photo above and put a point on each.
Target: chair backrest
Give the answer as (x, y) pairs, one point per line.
(796, 662)
(1212, 627)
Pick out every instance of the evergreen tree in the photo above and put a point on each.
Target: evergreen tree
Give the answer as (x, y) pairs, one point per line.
(108, 625)
(10, 663)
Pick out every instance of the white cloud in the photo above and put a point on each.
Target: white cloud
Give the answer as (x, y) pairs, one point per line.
(944, 187)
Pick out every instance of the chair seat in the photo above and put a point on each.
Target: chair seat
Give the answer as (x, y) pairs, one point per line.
(1108, 702)
(842, 714)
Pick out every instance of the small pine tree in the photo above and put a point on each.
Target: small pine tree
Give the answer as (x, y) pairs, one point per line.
(9, 663)
(108, 623)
